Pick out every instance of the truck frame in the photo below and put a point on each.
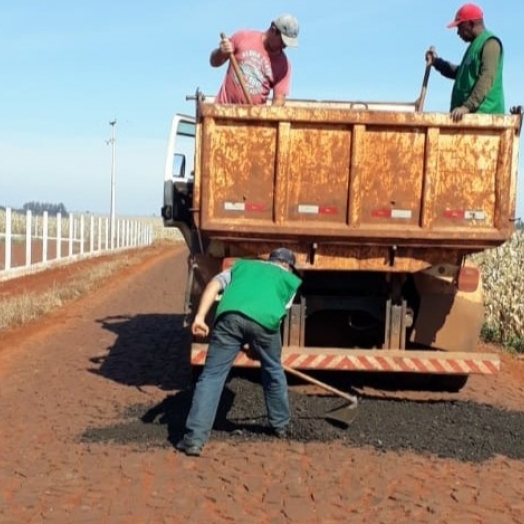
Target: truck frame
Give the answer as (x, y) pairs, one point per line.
(383, 205)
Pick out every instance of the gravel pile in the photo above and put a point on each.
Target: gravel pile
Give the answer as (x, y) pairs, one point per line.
(458, 430)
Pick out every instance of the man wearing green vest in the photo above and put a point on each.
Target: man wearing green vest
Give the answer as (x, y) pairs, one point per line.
(478, 79)
(256, 296)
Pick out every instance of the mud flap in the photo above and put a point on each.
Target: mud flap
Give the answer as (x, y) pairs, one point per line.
(447, 319)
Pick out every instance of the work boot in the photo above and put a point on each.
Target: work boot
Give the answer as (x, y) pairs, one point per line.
(281, 432)
(190, 450)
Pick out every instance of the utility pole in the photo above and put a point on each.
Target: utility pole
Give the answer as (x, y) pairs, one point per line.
(112, 141)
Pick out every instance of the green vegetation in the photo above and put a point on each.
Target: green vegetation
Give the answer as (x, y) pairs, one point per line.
(503, 282)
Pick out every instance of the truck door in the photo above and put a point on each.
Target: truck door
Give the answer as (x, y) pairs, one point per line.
(179, 172)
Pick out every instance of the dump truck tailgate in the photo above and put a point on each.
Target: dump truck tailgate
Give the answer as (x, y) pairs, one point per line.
(356, 177)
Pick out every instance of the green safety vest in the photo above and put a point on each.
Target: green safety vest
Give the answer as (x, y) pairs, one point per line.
(468, 73)
(260, 291)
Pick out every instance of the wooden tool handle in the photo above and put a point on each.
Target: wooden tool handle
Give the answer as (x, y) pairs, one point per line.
(239, 74)
(419, 105)
(322, 385)
(420, 101)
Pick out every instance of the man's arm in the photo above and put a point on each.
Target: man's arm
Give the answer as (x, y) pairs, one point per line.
(282, 83)
(278, 100)
(220, 55)
(211, 291)
(218, 58)
(445, 68)
(199, 326)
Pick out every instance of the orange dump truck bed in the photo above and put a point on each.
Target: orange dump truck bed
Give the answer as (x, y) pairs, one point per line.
(338, 175)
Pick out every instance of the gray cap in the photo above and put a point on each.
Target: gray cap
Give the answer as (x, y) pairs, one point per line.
(288, 27)
(283, 254)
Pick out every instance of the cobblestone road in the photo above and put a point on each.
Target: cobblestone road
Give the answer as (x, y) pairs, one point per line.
(85, 367)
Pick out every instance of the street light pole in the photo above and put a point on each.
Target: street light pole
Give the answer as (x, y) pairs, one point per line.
(112, 141)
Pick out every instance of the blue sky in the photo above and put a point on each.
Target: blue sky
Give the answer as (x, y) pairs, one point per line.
(68, 68)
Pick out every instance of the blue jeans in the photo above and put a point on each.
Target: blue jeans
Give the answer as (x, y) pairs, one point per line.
(229, 334)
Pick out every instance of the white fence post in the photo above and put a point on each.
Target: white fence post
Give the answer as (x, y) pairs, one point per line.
(28, 243)
(119, 233)
(59, 236)
(106, 233)
(7, 247)
(45, 236)
(71, 225)
(81, 234)
(91, 234)
(99, 242)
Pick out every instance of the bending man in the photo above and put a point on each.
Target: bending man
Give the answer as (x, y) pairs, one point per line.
(256, 295)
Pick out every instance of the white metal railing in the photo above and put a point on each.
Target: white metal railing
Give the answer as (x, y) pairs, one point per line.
(31, 243)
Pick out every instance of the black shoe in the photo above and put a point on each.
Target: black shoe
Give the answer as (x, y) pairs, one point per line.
(189, 449)
(281, 432)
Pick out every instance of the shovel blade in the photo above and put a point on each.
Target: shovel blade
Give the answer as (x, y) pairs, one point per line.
(344, 415)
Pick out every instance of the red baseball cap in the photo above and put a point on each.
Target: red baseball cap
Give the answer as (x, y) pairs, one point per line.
(467, 13)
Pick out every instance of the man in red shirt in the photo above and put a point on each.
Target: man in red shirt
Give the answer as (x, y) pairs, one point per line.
(261, 58)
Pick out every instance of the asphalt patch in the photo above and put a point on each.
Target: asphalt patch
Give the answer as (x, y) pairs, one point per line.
(464, 431)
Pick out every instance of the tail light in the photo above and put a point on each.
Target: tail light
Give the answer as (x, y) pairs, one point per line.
(468, 279)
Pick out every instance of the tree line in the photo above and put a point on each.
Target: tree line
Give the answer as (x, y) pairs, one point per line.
(38, 208)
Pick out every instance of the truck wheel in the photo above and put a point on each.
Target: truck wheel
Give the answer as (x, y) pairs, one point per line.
(448, 383)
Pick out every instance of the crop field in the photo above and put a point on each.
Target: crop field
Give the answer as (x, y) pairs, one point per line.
(503, 280)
